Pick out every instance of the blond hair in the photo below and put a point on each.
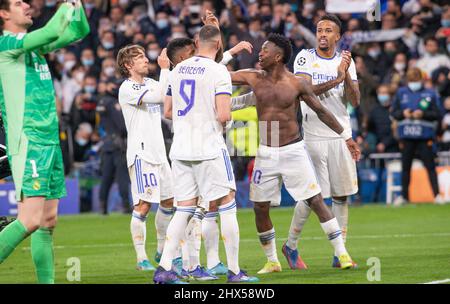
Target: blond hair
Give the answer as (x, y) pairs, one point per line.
(125, 57)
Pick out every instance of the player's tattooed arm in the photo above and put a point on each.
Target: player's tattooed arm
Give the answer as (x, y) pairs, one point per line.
(341, 74)
(351, 90)
(308, 96)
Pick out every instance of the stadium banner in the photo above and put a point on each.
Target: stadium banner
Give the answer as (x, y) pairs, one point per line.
(420, 188)
(377, 35)
(349, 6)
(68, 205)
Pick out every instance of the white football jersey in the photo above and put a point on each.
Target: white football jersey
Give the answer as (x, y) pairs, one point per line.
(141, 108)
(193, 85)
(322, 70)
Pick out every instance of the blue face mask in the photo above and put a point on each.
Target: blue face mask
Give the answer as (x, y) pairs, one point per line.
(162, 23)
(81, 141)
(87, 62)
(108, 45)
(383, 99)
(89, 89)
(415, 85)
(445, 22)
(289, 26)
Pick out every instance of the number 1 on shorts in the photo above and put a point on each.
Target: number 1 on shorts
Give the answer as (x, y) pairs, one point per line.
(33, 167)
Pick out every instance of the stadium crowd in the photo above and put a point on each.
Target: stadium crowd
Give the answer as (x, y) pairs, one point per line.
(414, 33)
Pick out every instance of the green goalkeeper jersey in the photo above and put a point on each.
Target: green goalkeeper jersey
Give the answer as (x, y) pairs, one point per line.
(27, 96)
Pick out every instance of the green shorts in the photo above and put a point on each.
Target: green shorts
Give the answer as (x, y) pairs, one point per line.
(38, 170)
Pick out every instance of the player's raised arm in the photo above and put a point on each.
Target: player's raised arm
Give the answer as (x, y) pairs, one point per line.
(164, 64)
(168, 107)
(243, 77)
(308, 96)
(54, 29)
(302, 68)
(351, 85)
(77, 29)
(237, 49)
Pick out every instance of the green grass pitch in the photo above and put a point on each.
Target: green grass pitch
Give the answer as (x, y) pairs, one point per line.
(412, 244)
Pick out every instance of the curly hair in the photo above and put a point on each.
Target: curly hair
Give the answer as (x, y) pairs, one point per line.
(125, 57)
(284, 44)
(177, 44)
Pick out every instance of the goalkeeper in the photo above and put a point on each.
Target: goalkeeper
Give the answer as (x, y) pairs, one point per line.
(29, 112)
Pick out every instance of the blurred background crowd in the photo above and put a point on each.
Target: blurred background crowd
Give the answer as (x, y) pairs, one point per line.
(414, 33)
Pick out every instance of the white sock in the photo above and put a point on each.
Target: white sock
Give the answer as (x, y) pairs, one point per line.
(138, 234)
(301, 214)
(210, 233)
(230, 234)
(175, 233)
(267, 239)
(162, 220)
(194, 238)
(340, 211)
(183, 251)
(332, 230)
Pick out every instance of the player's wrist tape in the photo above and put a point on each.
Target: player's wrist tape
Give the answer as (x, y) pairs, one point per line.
(346, 134)
(227, 57)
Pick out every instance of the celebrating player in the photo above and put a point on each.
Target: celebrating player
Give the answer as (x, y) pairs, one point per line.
(333, 76)
(27, 100)
(150, 174)
(282, 155)
(180, 49)
(199, 93)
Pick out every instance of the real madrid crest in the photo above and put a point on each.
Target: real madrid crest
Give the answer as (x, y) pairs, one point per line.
(149, 191)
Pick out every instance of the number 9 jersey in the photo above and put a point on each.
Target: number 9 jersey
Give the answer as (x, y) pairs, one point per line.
(193, 85)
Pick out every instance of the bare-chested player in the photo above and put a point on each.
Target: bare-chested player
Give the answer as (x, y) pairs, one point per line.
(282, 156)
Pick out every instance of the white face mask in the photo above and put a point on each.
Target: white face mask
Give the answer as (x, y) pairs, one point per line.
(399, 66)
(153, 54)
(81, 141)
(415, 85)
(109, 71)
(68, 65)
(79, 77)
(178, 35)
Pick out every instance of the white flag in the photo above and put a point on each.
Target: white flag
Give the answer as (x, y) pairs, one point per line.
(350, 6)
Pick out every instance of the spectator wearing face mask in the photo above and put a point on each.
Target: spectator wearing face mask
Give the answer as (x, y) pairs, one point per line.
(396, 75)
(375, 60)
(153, 51)
(380, 123)
(107, 45)
(108, 69)
(83, 108)
(71, 83)
(82, 142)
(88, 61)
(416, 110)
(163, 28)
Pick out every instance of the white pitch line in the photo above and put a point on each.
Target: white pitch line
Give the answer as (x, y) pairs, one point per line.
(251, 240)
(438, 282)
